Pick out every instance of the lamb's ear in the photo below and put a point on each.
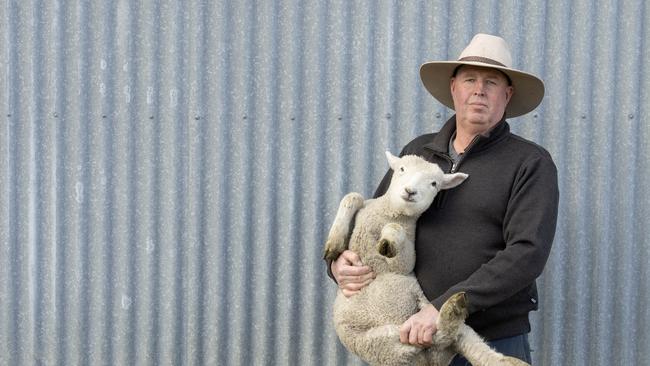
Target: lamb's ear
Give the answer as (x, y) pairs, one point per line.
(452, 180)
(393, 160)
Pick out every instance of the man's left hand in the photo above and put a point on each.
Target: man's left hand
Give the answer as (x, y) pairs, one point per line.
(419, 329)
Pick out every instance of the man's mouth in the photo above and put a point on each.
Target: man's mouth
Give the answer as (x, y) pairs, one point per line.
(480, 105)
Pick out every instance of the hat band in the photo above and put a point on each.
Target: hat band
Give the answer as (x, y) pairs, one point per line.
(484, 60)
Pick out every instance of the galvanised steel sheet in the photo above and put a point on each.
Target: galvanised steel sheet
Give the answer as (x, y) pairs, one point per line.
(170, 169)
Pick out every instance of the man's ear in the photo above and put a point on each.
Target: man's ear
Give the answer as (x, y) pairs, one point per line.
(509, 91)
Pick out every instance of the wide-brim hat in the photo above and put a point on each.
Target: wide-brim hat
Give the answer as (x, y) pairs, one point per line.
(485, 51)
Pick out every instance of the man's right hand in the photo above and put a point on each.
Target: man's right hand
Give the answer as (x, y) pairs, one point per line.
(350, 274)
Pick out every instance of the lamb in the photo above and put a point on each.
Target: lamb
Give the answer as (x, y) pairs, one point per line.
(382, 234)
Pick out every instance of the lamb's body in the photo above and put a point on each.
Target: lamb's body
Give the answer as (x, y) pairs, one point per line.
(375, 334)
(383, 234)
(368, 323)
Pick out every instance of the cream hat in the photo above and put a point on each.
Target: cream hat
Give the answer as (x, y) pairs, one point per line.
(486, 51)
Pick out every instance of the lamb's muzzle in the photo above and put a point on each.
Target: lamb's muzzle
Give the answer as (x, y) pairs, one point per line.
(409, 194)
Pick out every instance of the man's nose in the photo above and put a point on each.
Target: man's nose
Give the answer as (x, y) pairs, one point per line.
(479, 87)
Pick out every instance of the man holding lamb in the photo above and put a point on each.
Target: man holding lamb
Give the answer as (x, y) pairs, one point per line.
(491, 236)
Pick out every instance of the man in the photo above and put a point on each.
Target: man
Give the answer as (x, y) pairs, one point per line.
(491, 236)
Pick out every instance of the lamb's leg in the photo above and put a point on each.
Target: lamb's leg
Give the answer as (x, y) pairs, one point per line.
(471, 346)
(451, 318)
(452, 330)
(339, 235)
(392, 241)
(381, 346)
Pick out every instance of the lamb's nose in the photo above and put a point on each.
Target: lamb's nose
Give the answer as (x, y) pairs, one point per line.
(410, 191)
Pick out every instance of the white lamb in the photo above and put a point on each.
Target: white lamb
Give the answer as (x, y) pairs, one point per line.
(382, 234)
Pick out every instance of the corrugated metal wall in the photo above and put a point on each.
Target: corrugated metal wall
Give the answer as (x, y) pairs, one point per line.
(169, 169)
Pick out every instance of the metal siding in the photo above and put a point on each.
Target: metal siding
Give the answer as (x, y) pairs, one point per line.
(170, 169)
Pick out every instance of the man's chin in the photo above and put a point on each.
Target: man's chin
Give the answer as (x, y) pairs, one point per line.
(482, 124)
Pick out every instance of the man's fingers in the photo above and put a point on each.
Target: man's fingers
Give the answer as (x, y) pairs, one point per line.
(418, 335)
(360, 278)
(354, 278)
(426, 337)
(351, 274)
(419, 329)
(348, 264)
(404, 331)
(352, 258)
(354, 271)
(413, 334)
(355, 284)
(348, 293)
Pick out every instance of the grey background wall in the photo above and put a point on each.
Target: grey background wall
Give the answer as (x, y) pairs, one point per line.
(170, 168)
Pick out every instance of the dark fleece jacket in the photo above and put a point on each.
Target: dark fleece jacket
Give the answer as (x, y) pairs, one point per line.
(491, 236)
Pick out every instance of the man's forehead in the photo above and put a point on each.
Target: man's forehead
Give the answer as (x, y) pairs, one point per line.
(470, 69)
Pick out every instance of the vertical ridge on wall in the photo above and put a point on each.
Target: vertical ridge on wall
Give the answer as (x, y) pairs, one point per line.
(14, 300)
(238, 228)
(94, 188)
(600, 162)
(171, 97)
(216, 172)
(641, 198)
(195, 241)
(554, 285)
(6, 183)
(623, 307)
(144, 76)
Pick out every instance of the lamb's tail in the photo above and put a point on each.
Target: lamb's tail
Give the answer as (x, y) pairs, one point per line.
(471, 346)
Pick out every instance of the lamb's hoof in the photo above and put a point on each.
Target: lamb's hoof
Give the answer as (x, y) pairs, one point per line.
(387, 248)
(451, 318)
(455, 307)
(453, 314)
(331, 252)
(353, 201)
(334, 246)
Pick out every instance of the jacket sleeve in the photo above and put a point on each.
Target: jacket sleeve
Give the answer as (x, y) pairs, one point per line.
(528, 231)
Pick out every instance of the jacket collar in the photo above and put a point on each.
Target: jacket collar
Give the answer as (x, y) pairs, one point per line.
(440, 142)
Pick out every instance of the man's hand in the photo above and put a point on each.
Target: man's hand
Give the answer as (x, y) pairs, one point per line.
(350, 274)
(419, 329)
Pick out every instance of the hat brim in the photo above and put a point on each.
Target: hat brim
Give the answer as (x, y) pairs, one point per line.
(528, 89)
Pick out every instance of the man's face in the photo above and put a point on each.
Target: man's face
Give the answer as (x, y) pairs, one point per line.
(480, 96)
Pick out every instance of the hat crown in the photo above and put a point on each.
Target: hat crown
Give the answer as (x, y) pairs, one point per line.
(488, 49)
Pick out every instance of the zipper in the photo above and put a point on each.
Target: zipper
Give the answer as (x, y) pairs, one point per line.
(456, 164)
(447, 158)
(441, 199)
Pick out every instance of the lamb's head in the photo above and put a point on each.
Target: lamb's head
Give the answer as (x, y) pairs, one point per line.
(416, 182)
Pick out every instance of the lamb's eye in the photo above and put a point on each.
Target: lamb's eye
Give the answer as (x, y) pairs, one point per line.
(401, 169)
(434, 183)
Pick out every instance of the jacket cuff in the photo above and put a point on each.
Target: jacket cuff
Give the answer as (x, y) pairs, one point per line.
(329, 270)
